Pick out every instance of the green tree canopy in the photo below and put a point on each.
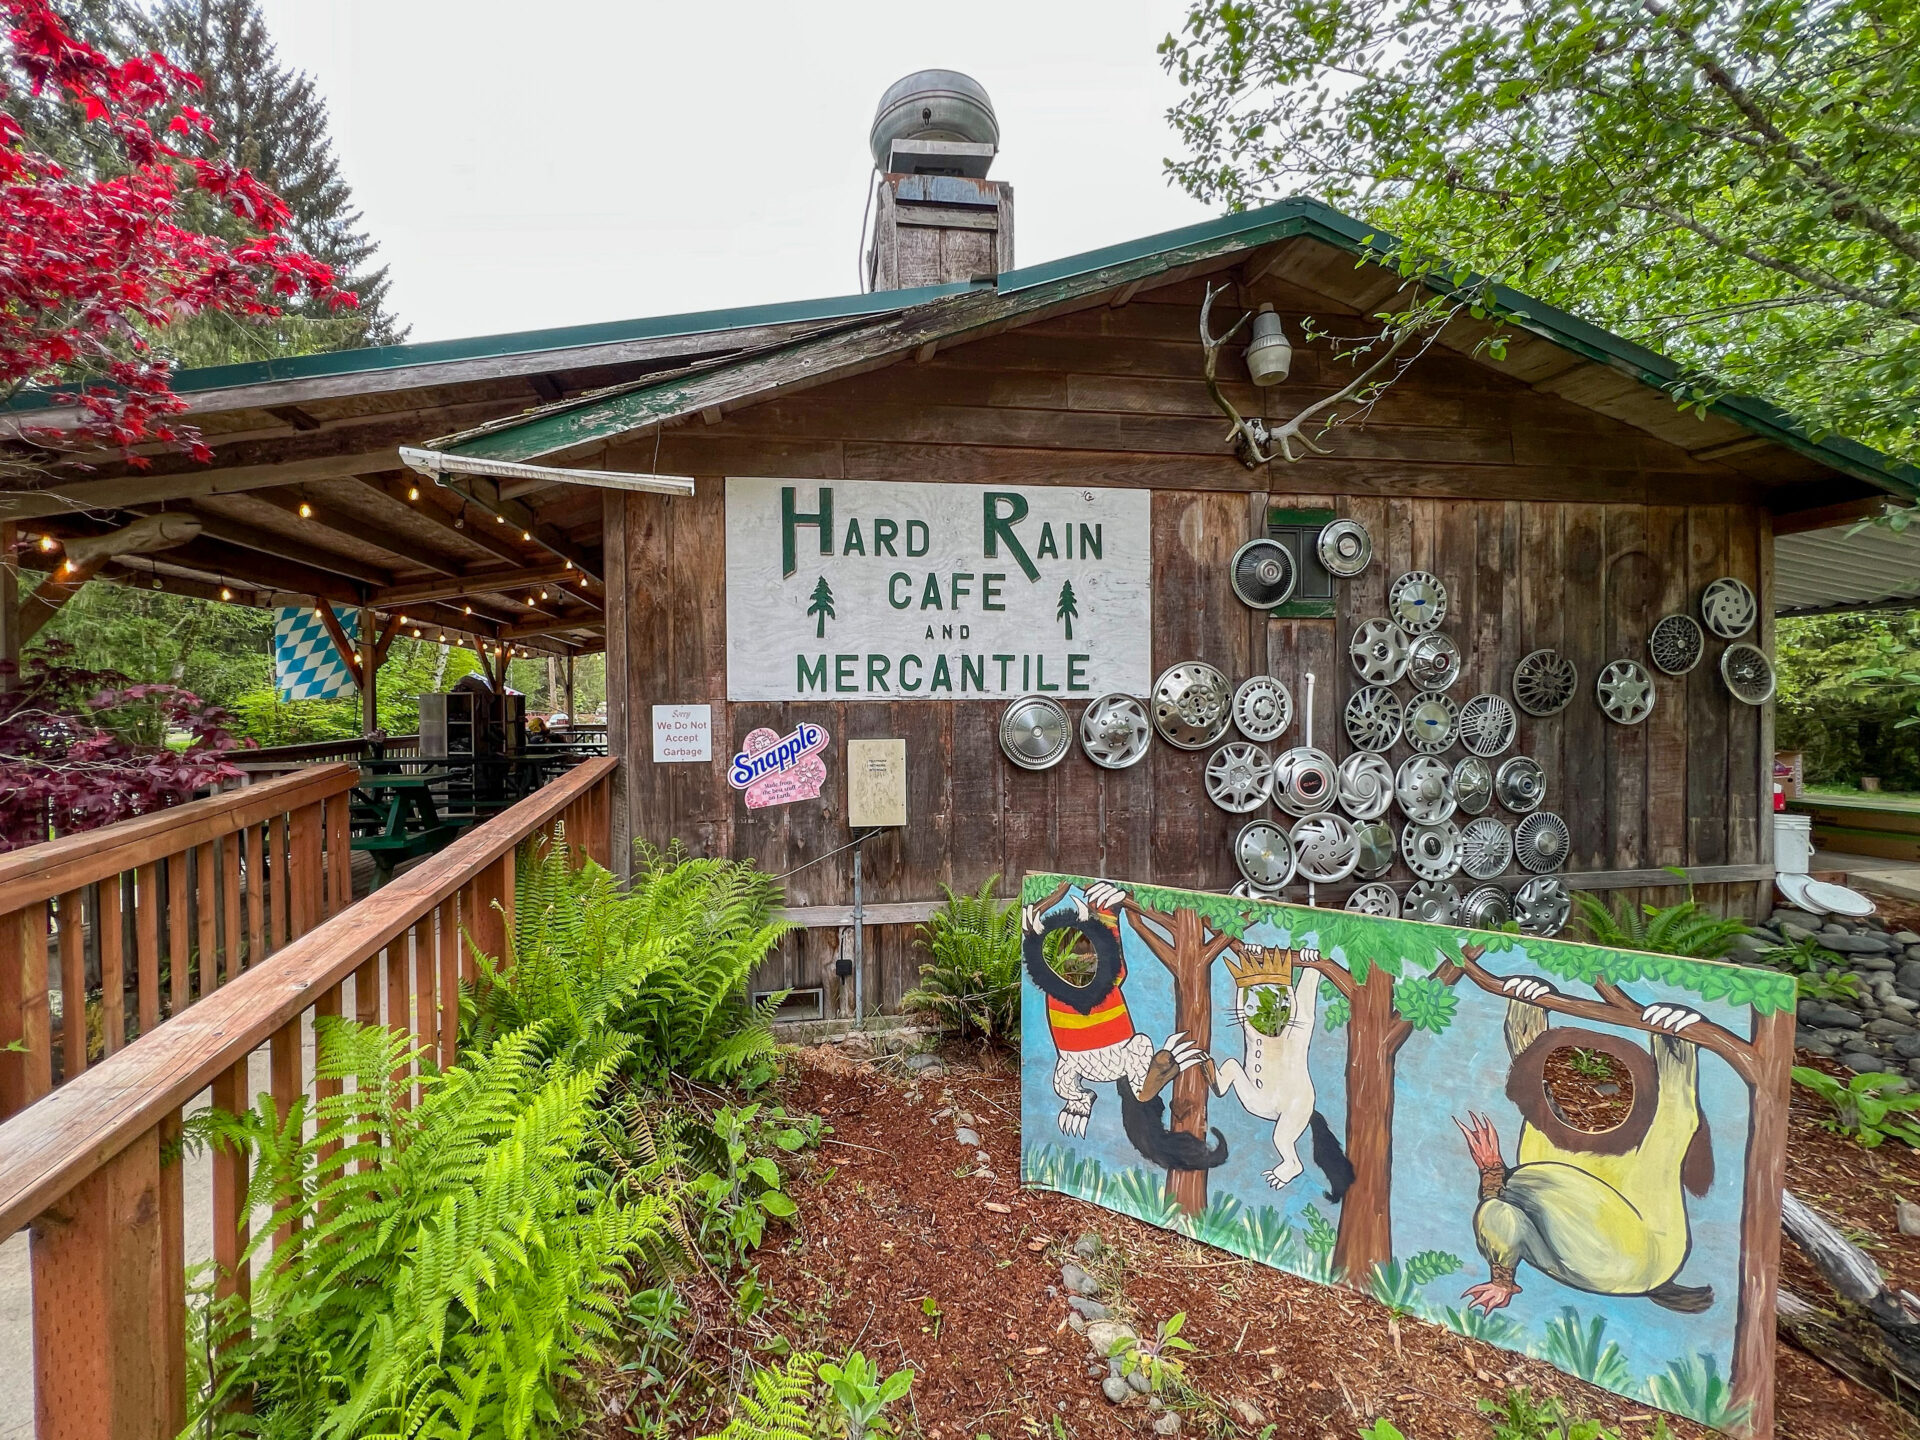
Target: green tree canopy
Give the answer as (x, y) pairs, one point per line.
(1734, 185)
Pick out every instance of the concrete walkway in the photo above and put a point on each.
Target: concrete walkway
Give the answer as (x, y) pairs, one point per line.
(1873, 874)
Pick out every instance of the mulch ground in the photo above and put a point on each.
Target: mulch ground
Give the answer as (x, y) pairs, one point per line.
(901, 1251)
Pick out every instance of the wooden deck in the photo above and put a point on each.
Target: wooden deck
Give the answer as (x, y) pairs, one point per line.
(1886, 827)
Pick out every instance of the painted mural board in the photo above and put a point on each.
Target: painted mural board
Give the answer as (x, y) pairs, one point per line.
(1376, 1102)
(871, 590)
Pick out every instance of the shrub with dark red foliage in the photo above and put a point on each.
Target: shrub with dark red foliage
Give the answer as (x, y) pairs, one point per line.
(93, 265)
(83, 748)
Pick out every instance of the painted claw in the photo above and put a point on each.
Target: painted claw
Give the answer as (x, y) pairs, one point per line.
(1490, 1295)
(1074, 1122)
(1525, 987)
(1674, 1018)
(1104, 895)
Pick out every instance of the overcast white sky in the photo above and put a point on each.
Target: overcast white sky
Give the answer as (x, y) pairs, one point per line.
(582, 160)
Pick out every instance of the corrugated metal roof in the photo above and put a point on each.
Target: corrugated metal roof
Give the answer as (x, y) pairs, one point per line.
(1846, 568)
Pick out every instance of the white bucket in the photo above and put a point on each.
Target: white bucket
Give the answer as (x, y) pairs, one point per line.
(1792, 843)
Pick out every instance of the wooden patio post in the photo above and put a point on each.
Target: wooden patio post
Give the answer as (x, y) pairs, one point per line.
(369, 674)
(572, 718)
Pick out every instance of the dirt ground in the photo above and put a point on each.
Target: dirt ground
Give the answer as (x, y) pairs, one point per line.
(904, 1252)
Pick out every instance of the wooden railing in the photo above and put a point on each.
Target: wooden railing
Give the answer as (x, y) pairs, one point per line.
(131, 924)
(273, 759)
(92, 1167)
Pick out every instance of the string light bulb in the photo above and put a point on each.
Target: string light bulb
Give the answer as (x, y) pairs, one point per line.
(48, 543)
(69, 566)
(526, 534)
(543, 594)
(306, 511)
(413, 492)
(225, 593)
(569, 564)
(469, 609)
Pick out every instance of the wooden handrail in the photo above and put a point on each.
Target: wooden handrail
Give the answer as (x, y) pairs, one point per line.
(40, 872)
(48, 1149)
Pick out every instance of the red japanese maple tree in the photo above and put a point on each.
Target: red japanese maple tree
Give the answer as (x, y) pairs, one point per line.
(93, 266)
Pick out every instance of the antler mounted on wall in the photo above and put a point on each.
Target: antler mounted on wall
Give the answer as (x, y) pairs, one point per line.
(1257, 443)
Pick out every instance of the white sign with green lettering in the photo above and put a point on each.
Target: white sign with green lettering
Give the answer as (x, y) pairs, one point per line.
(868, 590)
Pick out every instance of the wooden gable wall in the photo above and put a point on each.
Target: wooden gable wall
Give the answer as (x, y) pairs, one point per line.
(1550, 525)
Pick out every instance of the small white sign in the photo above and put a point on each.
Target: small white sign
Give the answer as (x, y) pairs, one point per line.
(682, 733)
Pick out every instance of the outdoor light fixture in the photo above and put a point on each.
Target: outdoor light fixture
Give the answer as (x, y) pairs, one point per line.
(47, 542)
(526, 534)
(1269, 356)
(543, 594)
(69, 566)
(413, 492)
(225, 593)
(569, 564)
(469, 609)
(306, 511)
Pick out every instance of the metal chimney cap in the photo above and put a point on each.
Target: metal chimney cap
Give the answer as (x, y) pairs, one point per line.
(932, 105)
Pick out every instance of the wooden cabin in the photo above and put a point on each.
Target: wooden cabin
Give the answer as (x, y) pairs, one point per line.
(1552, 487)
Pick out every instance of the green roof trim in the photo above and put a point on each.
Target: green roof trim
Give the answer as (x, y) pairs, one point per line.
(1115, 265)
(557, 340)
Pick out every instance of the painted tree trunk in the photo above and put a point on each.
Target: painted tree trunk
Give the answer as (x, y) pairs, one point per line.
(1766, 1168)
(1193, 1017)
(1366, 1214)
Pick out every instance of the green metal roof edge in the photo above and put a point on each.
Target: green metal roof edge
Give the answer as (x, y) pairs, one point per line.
(1303, 215)
(376, 358)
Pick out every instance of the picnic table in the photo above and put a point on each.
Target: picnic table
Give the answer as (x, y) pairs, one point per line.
(396, 819)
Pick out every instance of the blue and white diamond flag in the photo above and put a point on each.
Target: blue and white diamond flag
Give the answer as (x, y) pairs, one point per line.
(306, 663)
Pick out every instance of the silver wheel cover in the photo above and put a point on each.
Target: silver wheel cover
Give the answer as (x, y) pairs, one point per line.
(1487, 725)
(1373, 718)
(1544, 682)
(1262, 708)
(1422, 788)
(1417, 602)
(1115, 731)
(1433, 661)
(1305, 781)
(1626, 692)
(1747, 673)
(1324, 848)
(1378, 849)
(1264, 855)
(1487, 907)
(1239, 777)
(1676, 644)
(1247, 890)
(1381, 900)
(1486, 848)
(1263, 573)
(1035, 732)
(1541, 842)
(1379, 652)
(1473, 784)
(1431, 851)
(1432, 723)
(1542, 906)
(1345, 547)
(1191, 705)
(1366, 785)
(1728, 607)
(1435, 901)
(1520, 784)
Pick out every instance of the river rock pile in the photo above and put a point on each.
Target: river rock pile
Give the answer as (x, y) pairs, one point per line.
(1878, 1031)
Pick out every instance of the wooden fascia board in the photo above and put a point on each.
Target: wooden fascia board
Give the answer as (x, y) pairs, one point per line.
(130, 490)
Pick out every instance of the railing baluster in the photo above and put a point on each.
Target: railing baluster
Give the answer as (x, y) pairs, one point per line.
(146, 939)
(447, 933)
(339, 855)
(231, 1223)
(283, 1070)
(173, 1273)
(426, 1017)
(327, 1005)
(397, 1001)
(25, 1075)
(256, 838)
(277, 882)
(206, 912)
(180, 975)
(113, 964)
(230, 903)
(305, 874)
(73, 985)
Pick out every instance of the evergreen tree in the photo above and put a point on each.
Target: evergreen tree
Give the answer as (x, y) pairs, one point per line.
(821, 605)
(273, 121)
(1069, 609)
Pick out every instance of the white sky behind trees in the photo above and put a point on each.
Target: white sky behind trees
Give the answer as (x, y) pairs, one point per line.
(526, 165)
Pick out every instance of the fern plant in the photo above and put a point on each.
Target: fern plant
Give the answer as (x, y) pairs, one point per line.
(658, 971)
(449, 1265)
(970, 985)
(1684, 929)
(778, 1403)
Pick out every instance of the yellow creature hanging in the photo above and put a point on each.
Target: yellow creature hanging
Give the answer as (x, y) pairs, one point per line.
(1599, 1212)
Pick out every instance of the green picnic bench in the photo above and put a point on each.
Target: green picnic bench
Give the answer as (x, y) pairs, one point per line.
(396, 821)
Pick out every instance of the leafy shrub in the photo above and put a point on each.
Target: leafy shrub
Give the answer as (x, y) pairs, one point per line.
(1867, 1108)
(1684, 929)
(1397, 1283)
(738, 1186)
(970, 984)
(1694, 1388)
(778, 1403)
(862, 1395)
(450, 1263)
(659, 970)
(1582, 1349)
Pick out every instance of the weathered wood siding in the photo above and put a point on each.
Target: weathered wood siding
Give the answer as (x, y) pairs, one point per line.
(1550, 525)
